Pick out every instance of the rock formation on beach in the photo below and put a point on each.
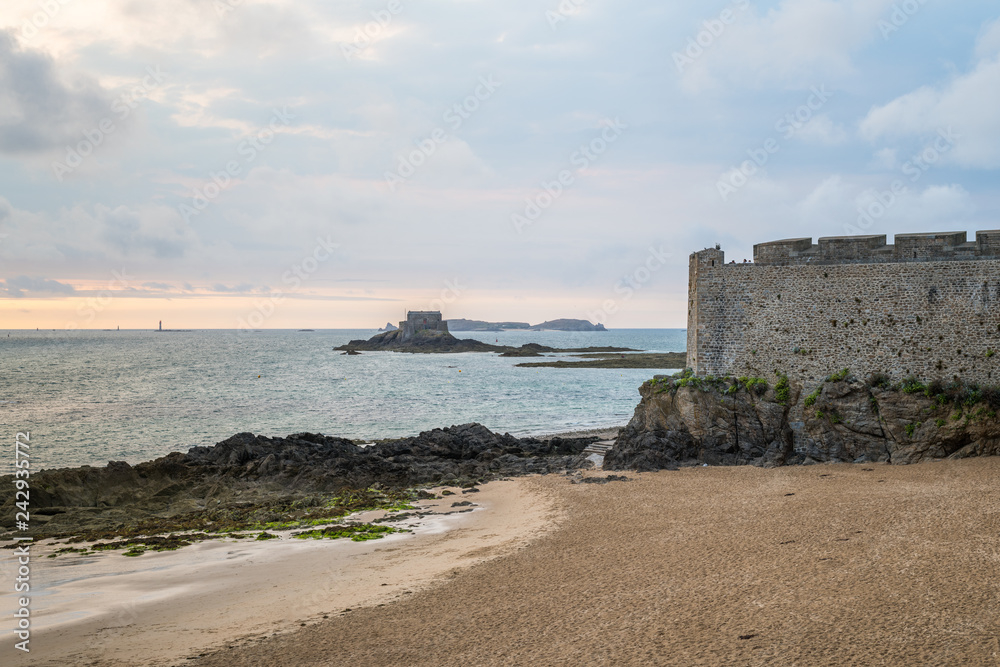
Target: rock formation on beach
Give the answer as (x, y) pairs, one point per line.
(249, 468)
(687, 420)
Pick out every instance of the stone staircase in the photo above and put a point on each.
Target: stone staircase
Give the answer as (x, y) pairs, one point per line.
(601, 448)
(597, 451)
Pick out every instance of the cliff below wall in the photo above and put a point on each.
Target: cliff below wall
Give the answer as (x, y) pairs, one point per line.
(694, 421)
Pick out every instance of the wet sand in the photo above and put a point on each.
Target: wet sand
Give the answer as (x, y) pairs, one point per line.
(163, 608)
(818, 565)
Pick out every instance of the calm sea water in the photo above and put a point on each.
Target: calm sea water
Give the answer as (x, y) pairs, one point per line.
(91, 397)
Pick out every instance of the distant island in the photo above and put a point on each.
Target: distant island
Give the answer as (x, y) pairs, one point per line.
(568, 325)
(551, 325)
(480, 325)
(389, 326)
(425, 332)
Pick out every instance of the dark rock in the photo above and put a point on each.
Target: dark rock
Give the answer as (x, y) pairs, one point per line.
(249, 468)
(709, 423)
(602, 480)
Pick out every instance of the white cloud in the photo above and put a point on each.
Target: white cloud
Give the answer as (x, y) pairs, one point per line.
(17, 287)
(96, 234)
(43, 106)
(988, 44)
(885, 158)
(821, 130)
(801, 43)
(969, 103)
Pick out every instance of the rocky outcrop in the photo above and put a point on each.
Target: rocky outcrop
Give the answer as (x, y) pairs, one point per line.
(423, 341)
(252, 468)
(689, 421)
(428, 341)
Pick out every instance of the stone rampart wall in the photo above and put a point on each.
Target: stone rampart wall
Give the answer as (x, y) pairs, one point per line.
(932, 319)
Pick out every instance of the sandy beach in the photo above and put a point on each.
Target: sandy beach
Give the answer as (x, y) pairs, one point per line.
(163, 608)
(814, 565)
(817, 565)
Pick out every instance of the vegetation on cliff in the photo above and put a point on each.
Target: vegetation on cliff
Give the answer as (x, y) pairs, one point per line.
(689, 420)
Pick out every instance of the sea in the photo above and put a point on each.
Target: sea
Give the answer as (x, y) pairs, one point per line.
(89, 397)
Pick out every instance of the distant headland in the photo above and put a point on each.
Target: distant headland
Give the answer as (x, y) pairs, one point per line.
(551, 325)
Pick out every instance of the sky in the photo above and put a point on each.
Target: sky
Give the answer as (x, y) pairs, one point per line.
(309, 164)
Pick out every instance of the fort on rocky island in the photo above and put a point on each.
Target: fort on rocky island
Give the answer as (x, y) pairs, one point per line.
(928, 305)
(422, 320)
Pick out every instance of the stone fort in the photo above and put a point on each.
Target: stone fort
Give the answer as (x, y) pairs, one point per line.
(928, 305)
(422, 320)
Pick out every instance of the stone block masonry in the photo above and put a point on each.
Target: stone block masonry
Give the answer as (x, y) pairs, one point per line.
(422, 320)
(927, 306)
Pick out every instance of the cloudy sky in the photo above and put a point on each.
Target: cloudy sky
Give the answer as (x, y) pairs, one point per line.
(302, 163)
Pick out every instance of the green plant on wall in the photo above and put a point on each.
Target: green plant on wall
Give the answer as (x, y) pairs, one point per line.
(811, 398)
(782, 390)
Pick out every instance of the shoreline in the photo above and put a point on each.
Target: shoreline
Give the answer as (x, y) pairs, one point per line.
(162, 608)
(825, 564)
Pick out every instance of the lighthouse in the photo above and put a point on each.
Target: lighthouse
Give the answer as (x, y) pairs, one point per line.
(161, 325)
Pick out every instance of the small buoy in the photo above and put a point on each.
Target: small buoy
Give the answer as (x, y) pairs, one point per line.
(258, 377)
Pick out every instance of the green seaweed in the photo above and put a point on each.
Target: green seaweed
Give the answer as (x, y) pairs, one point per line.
(357, 532)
